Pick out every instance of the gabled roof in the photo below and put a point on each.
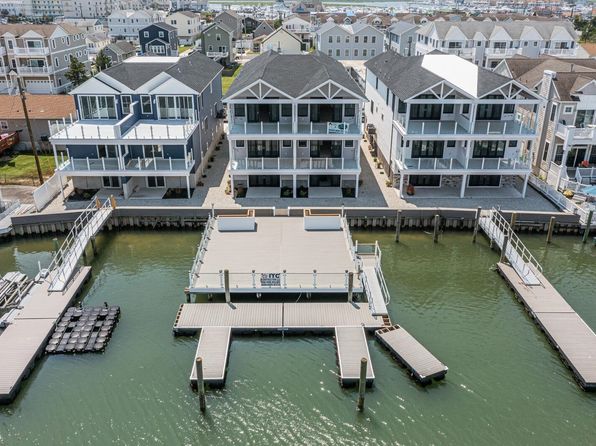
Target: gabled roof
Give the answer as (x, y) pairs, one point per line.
(264, 27)
(18, 29)
(122, 47)
(409, 76)
(221, 25)
(401, 27)
(39, 106)
(162, 25)
(282, 31)
(293, 74)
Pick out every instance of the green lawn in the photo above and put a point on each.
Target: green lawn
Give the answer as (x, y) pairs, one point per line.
(183, 48)
(20, 169)
(226, 81)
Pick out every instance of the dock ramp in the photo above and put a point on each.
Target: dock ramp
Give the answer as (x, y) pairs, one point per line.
(351, 348)
(373, 280)
(413, 355)
(214, 348)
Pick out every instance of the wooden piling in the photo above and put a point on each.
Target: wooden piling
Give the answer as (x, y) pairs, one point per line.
(397, 226)
(436, 228)
(476, 223)
(588, 224)
(551, 227)
(362, 383)
(227, 284)
(93, 246)
(200, 384)
(504, 250)
(56, 245)
(350, 286)
(513, 221)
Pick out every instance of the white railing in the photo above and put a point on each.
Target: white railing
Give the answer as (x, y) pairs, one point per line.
(375, 250)
(559, 199)
(202, 249)
(559, 51)
(501, 51)
(134, 164)
(288, 164)
(310, 128)
(8, 207)
(219, 54)
(470, 163)
(35, 70)
(43, 51)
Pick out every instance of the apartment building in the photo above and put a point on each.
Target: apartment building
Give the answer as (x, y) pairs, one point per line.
(486, 43)
(42, 8)
(89, 8)
(187, 24)
(294, 128)
(443, 122)
(565, 150)
(143, 128)
(126, 24)
(39, 55)
(349, 42)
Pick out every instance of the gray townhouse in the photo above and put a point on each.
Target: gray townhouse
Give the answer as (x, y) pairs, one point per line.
(231, 20)
(217, 43)
(120, 51)
(401, 38)
(144, 128)
(40, 56)
(358, 41)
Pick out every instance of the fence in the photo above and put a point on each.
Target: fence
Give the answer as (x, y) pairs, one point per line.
(46, 192)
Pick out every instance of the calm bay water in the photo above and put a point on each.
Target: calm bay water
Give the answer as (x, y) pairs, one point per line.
(505, 384)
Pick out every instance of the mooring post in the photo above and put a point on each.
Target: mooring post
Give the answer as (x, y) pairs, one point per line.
(93, 246)
(513, 220)
(200, 384)
(397, 226)
(551, 228)
(227, 285)
(588, 224)
(350, 286)
(436, 229)
(112, 202)
(476, 223)
(56, 245)
(187, 293)
(503, 251)
(362, 383)
(85, 255)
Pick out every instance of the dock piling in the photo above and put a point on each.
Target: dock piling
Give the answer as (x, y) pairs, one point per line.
(436, 228)
(200, 384)
(227, 285)
(362, 383)
(397, 226)
(513, 221)
(588, 224)
(476, 223)
(350, 286)
(551, 227)
(504, 250)
(56, 245)
(93, 245)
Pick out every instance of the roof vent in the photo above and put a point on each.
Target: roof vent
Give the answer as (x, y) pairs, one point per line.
(550, 73)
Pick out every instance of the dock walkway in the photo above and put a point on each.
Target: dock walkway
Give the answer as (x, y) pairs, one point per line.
(351, 348)
(25, 337)
(413, 355)
(566, 330)
(213, 348)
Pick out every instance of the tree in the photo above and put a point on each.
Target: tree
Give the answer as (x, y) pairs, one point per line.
(77, 73)
(102, 61)
(277, 23)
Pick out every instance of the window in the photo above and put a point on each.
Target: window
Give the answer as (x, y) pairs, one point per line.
(218, 37)
(330, 52)
(553, 112)
(125, 100)
(568, 109)
(337, 53)
(372, 107)
(111, 182)
(3, 125)
(107, 151)
(161, 34)
(512, 144)
(153, 151)
(425, 180)
(240, 143)
(145, 33)
(302, 110)
(286, 110)
(558, 154)
(286, 143)
(356, 39)
(372, 53)
(364, 54)
(97, 107)
(448, 108)
(146, 107)
(484, 180)
(330, 39)
(338, 39)
(350, 110)
(545, 153)
(365, 39)
(349, 143)
(302, 144)
(509, 109)
(373, 39)
(427, 149)
(175, 107)
(489, 149)
(355, 53)
(239, 110)
(346, 53)
(347, 39)
(451, 143)
(156, 182)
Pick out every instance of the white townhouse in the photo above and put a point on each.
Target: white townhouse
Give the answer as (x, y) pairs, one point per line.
(486, 43)
(126, 24)
(282, 41)
(358, 41)
(442, 121)
(188, 25)
(294, 128)
(143, 129)
(300, 27)
(565, 151)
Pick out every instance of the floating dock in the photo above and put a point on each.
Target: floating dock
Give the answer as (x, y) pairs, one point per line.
(565, 329)
(25, 337)
(214, 349)
(351, 348)
(421, 363)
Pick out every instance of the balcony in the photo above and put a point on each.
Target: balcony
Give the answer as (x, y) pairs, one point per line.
(132, 167)
(312, 128)
(276, 164)
(452, 129)
(453, 165)
(217, 54)
(501, 52)
(577, 135)
(32, 71)
(17, 51)
(461, 52)
(561, 52)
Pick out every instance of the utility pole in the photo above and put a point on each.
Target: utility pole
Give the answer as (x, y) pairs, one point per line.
(31, 136)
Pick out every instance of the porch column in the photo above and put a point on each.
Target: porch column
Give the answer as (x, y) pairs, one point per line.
(294, 142)
(401, 184)
(61, 186)
(462, 190)
(563, 166)
(187, 186)
(525, 188)
(357, 180)
(55, 155)
(294, 186)
(232, 186)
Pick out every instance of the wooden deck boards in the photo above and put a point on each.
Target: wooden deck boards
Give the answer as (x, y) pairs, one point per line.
(422, 363)
(213, 347)
(351, 348)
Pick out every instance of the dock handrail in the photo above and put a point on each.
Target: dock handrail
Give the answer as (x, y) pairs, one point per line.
(375, 250)
(502, 225)
(196, 264)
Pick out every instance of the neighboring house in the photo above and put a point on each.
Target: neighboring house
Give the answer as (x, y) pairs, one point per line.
(120, 51)
(232, 21)
(264, 29)
(217, 43)
(126, 24)
(282, 41)
(43, 9)
(486, 43)
(294, 127)
(39, 55)
(249, 24)
(159, 39)
(308, 6)
(90, 8)
(565, 149)
(96, 42)
(300, 27)
(401, 38)
(41, 108)
(90, 26)
(441, 121)
(187, 24)
(144, 127)
(349, 42)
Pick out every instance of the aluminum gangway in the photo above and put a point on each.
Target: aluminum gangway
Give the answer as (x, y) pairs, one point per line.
(372, 278)
(86, 226)
(496, 227)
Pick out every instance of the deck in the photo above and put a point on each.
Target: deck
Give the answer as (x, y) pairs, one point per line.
(374, 292)
(351, 348)
(565, 329)
(25, 338)
(213, 348)
(304, 316)
(413, 355)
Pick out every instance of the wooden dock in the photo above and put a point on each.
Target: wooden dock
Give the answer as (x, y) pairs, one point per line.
(421, 363)
(214, 349)
(25, 337)
(305, 316)
(565, 329)
(351, 348)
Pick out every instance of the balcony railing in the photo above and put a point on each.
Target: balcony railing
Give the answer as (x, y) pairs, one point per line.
(470, 164)
(288, 164)
(501, 51)
(35, 70)
(453, 128)
(217, 54)
(462, 52)
(559, 51)
(311, 128)
(30, 51)
(584, 135)
(119, 164)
